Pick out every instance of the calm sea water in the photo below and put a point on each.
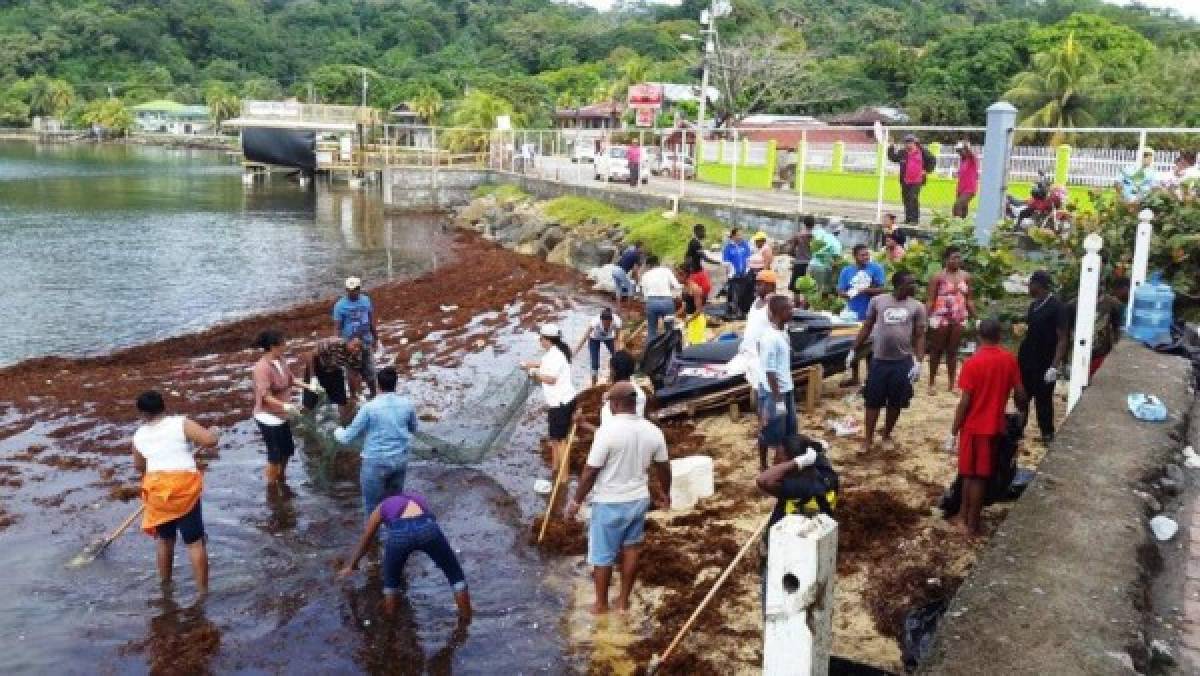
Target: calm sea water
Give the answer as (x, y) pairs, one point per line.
(108, 246)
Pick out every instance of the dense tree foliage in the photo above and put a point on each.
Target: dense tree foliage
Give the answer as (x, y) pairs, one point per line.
(943, 60)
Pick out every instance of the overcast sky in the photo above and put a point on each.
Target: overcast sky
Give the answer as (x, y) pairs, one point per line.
(1186, 7)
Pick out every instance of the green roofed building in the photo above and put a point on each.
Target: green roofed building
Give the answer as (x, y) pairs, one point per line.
(169, 117)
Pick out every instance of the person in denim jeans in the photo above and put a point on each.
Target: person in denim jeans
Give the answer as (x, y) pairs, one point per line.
(622, 453)
(659, 287)
(388, 423)
(410, 527)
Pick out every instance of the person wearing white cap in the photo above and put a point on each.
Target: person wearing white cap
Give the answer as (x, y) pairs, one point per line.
(354, 317)
(554, 374)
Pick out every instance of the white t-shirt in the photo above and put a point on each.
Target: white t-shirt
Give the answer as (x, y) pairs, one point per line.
(660, 282)
(758, 321)
(623, 450)
(165, 446)
(555, 365)
(597, 331)
(606, 413)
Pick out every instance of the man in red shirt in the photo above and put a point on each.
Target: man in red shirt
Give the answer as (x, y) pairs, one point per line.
(986, 380)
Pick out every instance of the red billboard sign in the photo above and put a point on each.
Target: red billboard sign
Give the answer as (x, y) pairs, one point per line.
(645, 96)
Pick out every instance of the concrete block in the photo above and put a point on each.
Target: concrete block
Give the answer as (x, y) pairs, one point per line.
(800, 577)
(691, 479)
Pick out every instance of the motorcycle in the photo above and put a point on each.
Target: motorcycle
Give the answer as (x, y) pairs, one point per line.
(1045, 208)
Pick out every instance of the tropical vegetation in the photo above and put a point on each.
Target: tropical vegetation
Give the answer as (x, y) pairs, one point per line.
(943, 61)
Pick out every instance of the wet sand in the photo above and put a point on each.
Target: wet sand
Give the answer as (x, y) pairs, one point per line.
(65, 426)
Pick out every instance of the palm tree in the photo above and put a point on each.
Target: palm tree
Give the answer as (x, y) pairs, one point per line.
(50, 97)
(222, 103)
(475, 116)
(428, 104)
(1058, 90)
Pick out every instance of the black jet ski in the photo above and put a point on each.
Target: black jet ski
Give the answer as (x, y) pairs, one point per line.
(812, 343)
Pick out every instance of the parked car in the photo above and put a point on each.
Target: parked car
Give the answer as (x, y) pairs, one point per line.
(612, 165)
(583, 152)
(670, 165)
(651, 161)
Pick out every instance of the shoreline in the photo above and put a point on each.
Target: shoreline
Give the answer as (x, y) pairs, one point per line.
(80, 137)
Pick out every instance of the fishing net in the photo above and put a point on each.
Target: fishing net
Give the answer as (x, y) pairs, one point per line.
(466, 434)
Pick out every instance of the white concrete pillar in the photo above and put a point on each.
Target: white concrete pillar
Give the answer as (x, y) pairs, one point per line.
(993, 185)
(1085, 318)
(801, 571)
(1141, 258)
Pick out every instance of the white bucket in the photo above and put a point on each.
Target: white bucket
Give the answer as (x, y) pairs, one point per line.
(691, 479)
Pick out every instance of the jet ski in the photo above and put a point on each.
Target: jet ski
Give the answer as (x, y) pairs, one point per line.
(702, 369)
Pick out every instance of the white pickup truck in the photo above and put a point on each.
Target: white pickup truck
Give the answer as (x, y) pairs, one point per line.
(613, 165)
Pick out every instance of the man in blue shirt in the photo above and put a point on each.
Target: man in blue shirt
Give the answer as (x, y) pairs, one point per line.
(626, 271)
(776, 399)
(740, 288)
(389, 422)
(858, 284)
(354, 317)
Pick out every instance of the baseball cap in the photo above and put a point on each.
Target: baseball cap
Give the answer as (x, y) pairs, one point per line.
(1042, 278)
(961, 145)
(767, 276)
(550, 331)
(910, 137)
(760, 235)
(353, 283)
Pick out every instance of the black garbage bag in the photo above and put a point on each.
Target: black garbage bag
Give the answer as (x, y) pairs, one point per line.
(999, 486)
(920, 626)
(1183, 342)
(659, 356)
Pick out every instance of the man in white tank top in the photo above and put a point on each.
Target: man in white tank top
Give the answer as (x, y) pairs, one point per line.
(172, 484)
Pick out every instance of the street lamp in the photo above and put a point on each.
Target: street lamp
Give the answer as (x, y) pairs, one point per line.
(709, 48)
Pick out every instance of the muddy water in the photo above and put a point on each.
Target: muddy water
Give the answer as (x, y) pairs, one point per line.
(274, 604)
(115, 245)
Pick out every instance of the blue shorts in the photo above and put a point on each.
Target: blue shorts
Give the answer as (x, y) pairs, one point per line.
(190, 526)
(888, 385)
(615, 525)
(418, 533)
(776, 427)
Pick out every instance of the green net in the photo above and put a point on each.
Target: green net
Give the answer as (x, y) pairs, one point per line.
(466, 435)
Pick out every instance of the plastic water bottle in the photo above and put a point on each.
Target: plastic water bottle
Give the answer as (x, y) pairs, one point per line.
(1153, 309)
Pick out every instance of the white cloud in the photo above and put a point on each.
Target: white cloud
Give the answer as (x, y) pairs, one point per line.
(1189, 8)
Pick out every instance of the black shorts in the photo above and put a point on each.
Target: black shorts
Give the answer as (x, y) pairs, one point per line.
(280, 445)
(190, 526)
(888, 385)
(559, 419)
(334, 382)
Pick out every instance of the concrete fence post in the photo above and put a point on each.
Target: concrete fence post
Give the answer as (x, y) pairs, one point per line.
(1141, 258)
(839, 156)
(993, 186)
(1062, 164)
(801, 169)
(1085, 319)
(798, 605)
(738, 149)
(881, 172)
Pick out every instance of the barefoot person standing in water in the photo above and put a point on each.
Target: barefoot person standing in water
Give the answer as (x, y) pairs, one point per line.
(273, 388)
(172, 484)
(618, 465)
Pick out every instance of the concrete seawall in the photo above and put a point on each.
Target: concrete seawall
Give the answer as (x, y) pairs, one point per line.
(420, 188)
(1064, 586)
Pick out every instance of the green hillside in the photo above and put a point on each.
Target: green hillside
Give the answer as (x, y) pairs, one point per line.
(942, 60)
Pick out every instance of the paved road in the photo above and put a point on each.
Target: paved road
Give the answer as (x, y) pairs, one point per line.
(562, 169)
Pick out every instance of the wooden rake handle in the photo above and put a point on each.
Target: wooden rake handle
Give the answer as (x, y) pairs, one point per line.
(561, 471)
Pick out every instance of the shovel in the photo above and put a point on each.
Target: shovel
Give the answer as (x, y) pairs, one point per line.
(93, 550)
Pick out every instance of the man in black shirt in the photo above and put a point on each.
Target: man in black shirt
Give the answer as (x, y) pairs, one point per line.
(801, 479)
(1042, 351)
(695, 248)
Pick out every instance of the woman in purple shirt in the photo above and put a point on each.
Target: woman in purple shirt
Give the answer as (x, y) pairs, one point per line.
(410, 528)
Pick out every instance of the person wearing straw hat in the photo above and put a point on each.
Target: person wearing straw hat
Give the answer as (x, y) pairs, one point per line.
(916, 162)
(762, 256)
(354, 317)
(172, 484)
(553, 372)
(618, 464)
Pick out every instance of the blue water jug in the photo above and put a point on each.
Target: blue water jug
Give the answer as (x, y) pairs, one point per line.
(1153, 310)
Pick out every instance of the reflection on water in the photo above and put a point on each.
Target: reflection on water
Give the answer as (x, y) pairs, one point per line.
(179, 640)
(107, 246)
